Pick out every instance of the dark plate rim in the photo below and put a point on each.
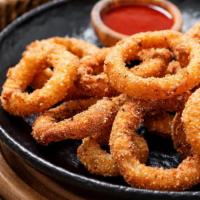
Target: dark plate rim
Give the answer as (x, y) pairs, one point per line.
(46, 167)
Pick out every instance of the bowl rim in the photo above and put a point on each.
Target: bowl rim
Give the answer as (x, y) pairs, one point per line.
(75, 180)
(103, 4)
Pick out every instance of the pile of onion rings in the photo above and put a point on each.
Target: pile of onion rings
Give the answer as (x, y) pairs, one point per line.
(107, 97)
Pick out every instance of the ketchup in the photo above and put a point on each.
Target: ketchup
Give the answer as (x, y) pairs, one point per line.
(131, 19)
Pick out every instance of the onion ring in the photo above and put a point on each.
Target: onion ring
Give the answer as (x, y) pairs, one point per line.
(191, 121)
(95, 159)
(76, 46)
(178, 136)
(123, 149)
(158, 88)
(99, 162)
(18, 102)
(97, 118)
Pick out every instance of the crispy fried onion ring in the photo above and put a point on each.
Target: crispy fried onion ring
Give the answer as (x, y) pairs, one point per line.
(179, 138)
(91, 154)
(123, 148)
(77, 47)
(99, 162)
(158, 88)
(52, 127)
(95, 159)
(191, 121)
(43, 54)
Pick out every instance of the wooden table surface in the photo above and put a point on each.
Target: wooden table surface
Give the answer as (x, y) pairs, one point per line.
(14, 187)
(10, 9)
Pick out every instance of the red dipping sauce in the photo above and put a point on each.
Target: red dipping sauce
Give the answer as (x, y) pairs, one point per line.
(133, 19)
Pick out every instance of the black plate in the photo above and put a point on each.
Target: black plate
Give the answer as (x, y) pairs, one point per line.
(59, 160)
